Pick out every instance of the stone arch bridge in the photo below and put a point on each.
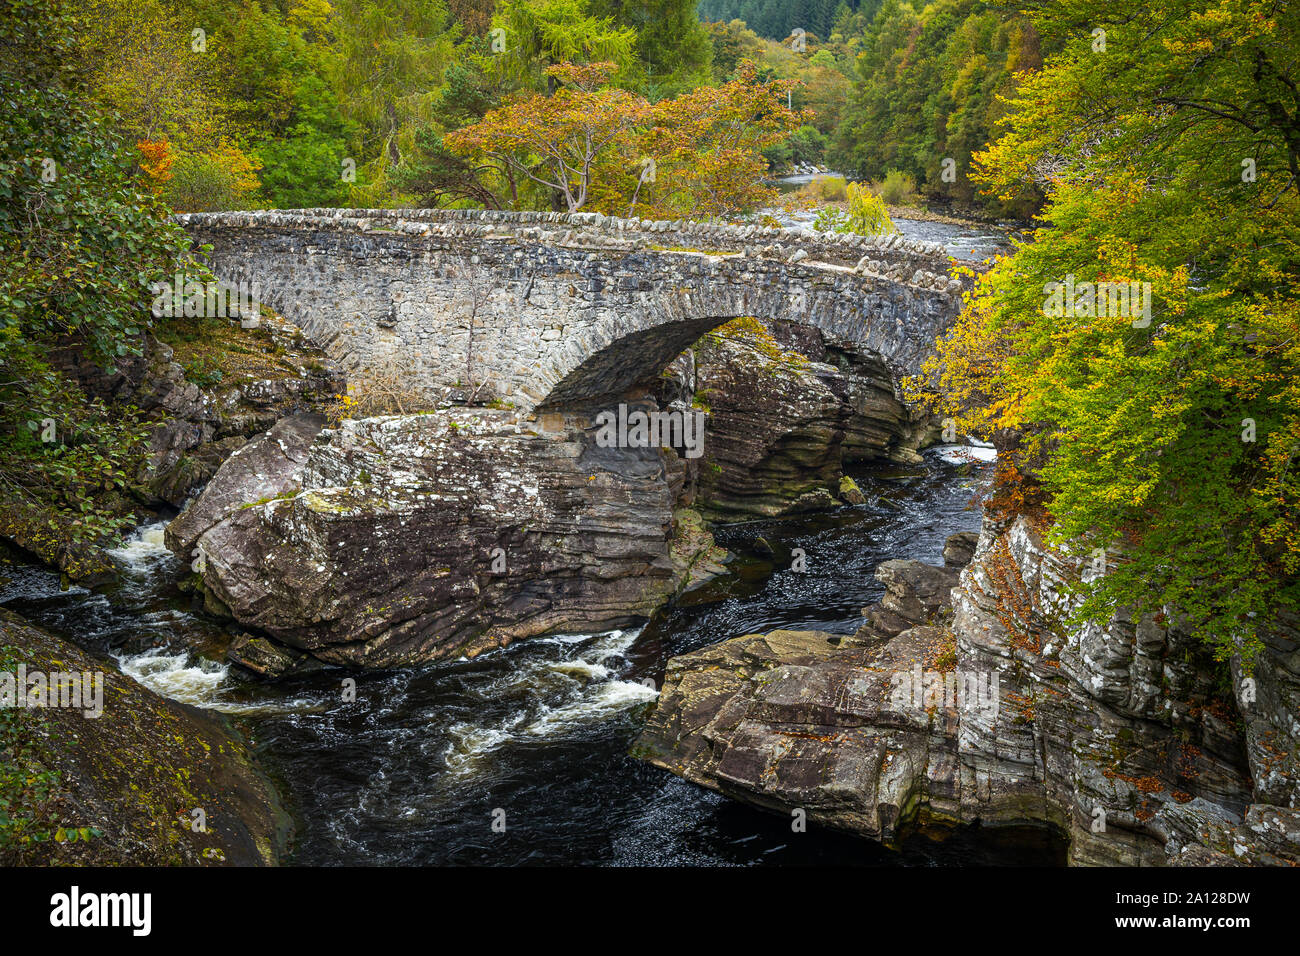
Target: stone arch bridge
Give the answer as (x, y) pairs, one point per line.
(550, 310)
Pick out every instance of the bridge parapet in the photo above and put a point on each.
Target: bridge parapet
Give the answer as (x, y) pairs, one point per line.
(911, 262)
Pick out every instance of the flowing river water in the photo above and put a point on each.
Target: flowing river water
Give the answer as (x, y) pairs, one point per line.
(413, 771)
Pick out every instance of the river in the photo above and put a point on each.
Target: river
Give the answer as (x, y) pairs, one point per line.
(411, 772)
(415, 770)
(968, 242)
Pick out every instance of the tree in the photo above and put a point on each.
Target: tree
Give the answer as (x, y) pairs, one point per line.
(79, 246)
(540, 34)
(929, 89)
(560, 141)
(140, 62)
(433, 175)
(391, 57)
(733, 43)
(1159, 413)
(605, 148)
(707, 146)
(672, 46)
(69, 203)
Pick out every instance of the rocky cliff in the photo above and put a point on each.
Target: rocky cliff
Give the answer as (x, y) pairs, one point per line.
(969, 698)
(200, 400)
(787, 413)
(146, 782)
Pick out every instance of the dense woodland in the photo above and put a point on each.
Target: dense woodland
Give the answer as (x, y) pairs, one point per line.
(1157, 145)
(284, 105)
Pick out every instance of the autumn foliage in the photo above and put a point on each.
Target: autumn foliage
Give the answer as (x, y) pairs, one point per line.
(1174, 437)
(598, 147)
(156, 161)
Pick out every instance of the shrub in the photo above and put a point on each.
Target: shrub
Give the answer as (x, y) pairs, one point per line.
(384, 388)
(831, 188)
(867, 214)
(897, 189)
(79, 246)
(210, 182)
(823, 189)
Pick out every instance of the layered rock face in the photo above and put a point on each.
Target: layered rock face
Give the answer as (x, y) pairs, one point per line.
(1116, 734)
(194, 430)
(995, 712)
(786, 413)
(407, 539)
(198, 427)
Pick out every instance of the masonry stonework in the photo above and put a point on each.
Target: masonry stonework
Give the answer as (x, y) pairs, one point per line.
(546, 310)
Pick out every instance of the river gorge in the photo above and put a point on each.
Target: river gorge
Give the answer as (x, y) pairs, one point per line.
(411, 712)
(412, 772)
(543, 462)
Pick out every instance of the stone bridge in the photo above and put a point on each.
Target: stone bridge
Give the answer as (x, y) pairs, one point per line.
(549, 310)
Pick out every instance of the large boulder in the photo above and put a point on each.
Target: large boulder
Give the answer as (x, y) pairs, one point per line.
(421, 537)
(269, 373)
(809, 720)
(803, 720)
(1118, 737)
(269, 466)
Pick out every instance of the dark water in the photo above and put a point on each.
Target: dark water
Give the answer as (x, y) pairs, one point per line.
(413, 771)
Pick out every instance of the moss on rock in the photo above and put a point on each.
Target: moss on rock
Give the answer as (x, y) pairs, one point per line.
(137, 773)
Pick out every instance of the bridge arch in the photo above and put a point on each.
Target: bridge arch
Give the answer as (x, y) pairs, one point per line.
(546, 310)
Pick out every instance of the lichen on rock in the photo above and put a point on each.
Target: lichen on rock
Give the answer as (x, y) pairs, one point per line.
(1116, 737)
(416, 538)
